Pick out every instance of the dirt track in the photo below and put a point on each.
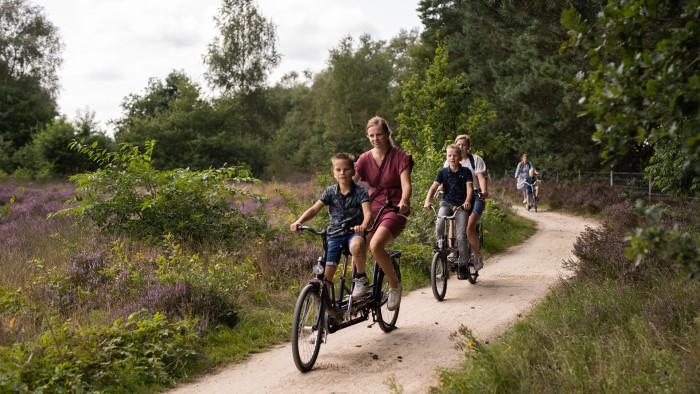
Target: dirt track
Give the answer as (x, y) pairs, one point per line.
(509, 285)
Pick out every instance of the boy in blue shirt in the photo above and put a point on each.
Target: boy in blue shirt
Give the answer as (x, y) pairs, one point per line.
(457, 183)
(348, 204)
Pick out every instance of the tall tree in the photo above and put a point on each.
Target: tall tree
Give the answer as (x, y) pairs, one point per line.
(643, 84)
(509, 50)
(30, 55)
(356, 86)
(245, 52)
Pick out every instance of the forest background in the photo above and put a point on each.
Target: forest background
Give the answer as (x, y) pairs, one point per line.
(495, 70)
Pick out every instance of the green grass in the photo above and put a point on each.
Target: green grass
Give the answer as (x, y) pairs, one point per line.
(587, 337)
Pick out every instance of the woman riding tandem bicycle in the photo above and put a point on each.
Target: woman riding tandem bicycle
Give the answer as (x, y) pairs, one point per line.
(387, 170)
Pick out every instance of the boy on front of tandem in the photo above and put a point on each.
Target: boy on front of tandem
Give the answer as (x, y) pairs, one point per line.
(349, 207)
(458, 187)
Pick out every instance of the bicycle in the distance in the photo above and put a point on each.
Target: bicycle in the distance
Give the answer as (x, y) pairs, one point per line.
(324, 308)
(532, 194)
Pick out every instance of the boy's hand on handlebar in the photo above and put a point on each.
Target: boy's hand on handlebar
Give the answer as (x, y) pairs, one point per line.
(294, 226)
(466, 206)
(359, 229)
(426, 207)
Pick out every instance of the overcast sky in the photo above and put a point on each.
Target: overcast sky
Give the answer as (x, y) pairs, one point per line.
(112, 47)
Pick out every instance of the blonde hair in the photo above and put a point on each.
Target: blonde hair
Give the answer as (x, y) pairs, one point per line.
(455, 147)
(379, 121)
(349, 157)
(464, 137)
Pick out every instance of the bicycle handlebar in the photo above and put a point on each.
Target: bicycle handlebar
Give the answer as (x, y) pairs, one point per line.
(451, 217)
(388, 204)
(323, 232)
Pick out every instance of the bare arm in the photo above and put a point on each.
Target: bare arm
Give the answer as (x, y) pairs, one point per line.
(470, 191)
(367, 213)
(308, 215)
(406, 190)
(431, 193)
(483, 184)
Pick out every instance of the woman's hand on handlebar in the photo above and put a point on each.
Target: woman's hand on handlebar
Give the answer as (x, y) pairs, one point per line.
(426, 207)
(467, 206)
(294, 226)
(404, 207)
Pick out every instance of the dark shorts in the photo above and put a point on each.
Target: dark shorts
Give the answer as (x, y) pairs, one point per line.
(479, 206)
(394, 222)
(528, 189)
(336, 244)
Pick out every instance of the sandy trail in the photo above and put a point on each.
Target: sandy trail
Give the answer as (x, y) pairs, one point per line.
(508, 286)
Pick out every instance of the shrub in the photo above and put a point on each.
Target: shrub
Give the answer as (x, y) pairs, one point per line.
(141, 349)
(127, 196)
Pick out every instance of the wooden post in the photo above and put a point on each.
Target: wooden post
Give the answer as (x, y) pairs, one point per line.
(611, 179)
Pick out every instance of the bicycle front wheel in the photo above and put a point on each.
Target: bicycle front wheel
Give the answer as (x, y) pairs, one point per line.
(438, 275)
(308, 330)
(385, 317)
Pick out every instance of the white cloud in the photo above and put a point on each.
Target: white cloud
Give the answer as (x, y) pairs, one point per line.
(113, 47)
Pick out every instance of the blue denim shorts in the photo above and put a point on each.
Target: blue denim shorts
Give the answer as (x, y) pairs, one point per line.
(479, 206)
(336, 244)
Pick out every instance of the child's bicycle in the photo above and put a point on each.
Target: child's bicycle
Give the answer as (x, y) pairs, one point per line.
(532, 194)
(321, 309)
(446, 255)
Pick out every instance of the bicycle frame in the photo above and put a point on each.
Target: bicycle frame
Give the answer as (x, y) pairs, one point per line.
(344, 311)
(448, 242)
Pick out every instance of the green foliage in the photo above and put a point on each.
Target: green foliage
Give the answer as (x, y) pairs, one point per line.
(643, 86)
(127, 196)
(241, 58)
(590, 337)
(508, 51)
(30, 55)
(194, 132)
(669, 172)
(434, 107)
(131, 353)
(49, 153)
(682, 249)
(356, 87)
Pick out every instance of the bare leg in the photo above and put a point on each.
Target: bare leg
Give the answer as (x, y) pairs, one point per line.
(472, 234)
(377, 244)
(359, 256)
(330, 272)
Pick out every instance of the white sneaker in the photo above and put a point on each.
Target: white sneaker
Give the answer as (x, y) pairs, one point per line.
(478, 263)
(394, 299)
(524, 201)
(360, 288)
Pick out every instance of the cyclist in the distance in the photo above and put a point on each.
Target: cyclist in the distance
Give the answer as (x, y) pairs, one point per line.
(530, 188)
(348, 204)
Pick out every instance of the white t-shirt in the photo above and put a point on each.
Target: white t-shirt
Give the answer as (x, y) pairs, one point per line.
(479, 167)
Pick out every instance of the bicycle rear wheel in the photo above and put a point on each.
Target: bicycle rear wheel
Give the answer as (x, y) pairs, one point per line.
(438, 275)
(308, 330)
(385, 317)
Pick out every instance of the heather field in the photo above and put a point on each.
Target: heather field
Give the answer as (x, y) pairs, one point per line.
(82, 309)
